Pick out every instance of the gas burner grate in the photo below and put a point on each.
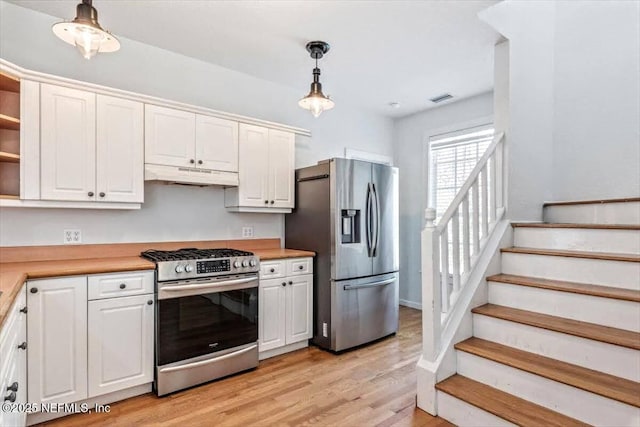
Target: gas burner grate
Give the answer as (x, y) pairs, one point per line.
(192, 253)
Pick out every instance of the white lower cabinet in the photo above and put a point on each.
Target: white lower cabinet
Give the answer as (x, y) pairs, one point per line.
(89, 336)
(285, 310)
(57, 337)
(13, 360)
(120, 343)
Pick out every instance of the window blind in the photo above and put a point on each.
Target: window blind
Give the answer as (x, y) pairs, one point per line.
(453, 157)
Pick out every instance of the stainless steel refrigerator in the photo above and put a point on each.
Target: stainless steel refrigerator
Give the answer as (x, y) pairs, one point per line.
(347, 212)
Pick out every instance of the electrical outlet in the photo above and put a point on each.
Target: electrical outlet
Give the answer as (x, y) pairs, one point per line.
(247, 232)
(72, 237)
(324, 330)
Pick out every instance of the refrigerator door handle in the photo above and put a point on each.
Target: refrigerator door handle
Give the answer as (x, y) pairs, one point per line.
(376, 235)
(369, 285)
(368, 224)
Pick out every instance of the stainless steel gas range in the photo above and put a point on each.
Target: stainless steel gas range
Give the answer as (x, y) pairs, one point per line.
(206, 316)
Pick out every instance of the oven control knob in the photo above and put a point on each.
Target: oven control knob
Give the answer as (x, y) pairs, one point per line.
(253, 263)
(179, 268)
(237, 264)
(245, 263)
(188, 268)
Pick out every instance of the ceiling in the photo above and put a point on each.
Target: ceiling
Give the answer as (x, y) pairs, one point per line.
(381, 51)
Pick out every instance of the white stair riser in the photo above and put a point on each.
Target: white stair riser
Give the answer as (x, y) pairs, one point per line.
(602, 311)
(608, 358)
(573, 402)
(596, 213)
(619, 274)
(580, 239)
(463, 414)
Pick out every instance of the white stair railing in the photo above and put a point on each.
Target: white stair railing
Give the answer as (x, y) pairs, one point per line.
(451, 248)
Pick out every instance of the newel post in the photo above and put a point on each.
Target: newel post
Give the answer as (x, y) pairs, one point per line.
(431, 309)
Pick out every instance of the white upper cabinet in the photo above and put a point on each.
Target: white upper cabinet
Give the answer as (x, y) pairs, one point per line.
(68, 144)
(281, 168)
(91, 147)
(120, 150)
(254, 166)
(267, 170)
(216, 143)
(190, 148)
(169, 136)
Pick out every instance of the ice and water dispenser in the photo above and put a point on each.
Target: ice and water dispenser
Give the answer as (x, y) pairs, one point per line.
(350, 226)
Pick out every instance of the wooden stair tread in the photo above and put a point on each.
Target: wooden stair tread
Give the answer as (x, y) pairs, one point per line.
(620, 389)
(592, 202)
(576, 225)
(573, 287)
(577, 328)
(575, 254)
(504, 405)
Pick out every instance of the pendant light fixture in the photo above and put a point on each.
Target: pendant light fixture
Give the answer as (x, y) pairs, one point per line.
(85, 32)
(316, 101)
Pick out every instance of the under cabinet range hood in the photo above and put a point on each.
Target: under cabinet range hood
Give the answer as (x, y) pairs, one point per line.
(189, 176)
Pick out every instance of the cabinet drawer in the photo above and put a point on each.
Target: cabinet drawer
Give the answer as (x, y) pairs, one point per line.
(273, 269)
(120, 284)
(12, 332)
(299, 266)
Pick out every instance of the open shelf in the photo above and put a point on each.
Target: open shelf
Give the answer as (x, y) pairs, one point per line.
(9, 157)
(9, 197)
(9, 83)
(8, 122)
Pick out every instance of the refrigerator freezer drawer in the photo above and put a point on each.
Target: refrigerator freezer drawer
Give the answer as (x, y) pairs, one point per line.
(363, 310)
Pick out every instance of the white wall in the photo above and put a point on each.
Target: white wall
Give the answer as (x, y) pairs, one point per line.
(574, 104)
(529, 26)
(172, 212)
(410, 134)
(597, 100)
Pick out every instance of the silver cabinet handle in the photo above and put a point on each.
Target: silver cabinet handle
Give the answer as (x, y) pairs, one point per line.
(369, 285)
(206, 362)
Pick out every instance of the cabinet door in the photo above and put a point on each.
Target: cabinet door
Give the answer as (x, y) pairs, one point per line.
(120, 343)
(271, 314)
(119, 150)
(216, 144)
(169, 137)
(253, 166)
(67, 144)
(281, 169)
(299, 308)
(57, 337)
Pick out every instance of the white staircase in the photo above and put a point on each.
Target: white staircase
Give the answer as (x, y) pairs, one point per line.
(559, 341)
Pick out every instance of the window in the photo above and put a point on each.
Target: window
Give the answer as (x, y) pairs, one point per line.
(453, 157)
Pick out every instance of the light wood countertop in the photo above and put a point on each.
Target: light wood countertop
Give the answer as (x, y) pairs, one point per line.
(14, 274)
(277, 253)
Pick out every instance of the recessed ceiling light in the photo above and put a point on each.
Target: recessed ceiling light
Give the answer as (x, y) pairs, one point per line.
(441, 98)
(394, 104)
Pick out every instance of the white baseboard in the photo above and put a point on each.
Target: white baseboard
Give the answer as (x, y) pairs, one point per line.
(411, 304)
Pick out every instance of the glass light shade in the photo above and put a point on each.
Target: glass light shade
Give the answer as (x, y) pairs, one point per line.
(87, 41)
(316, 103)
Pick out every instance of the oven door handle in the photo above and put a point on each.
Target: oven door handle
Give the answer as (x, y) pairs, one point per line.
(206, 362)
(210, 285)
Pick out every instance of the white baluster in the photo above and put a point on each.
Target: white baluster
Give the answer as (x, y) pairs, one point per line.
(455, 247)
(431, 311)
(492, 188)
(485, 203)
(444, 269)
(475, 211)
(466, 245)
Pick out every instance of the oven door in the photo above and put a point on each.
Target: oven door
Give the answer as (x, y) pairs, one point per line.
(200, 317)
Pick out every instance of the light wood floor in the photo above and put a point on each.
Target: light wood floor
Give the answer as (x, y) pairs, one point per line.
(371, 386)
